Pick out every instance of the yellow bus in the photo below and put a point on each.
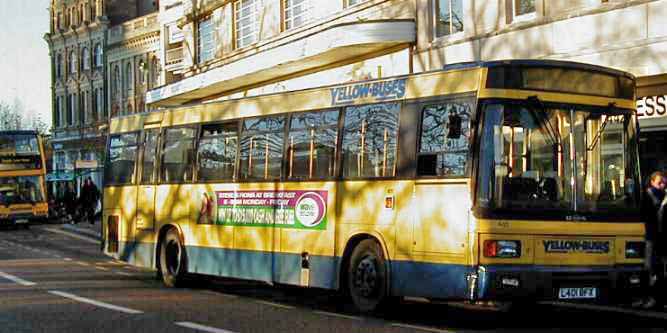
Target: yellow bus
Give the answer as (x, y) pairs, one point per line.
(482, 181)
(22, 178)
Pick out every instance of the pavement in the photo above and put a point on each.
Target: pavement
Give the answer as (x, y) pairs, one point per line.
(93, 230)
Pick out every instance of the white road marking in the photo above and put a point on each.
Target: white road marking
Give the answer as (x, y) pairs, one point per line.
(338, 315)
(422, 328)
(101, 268)
(94, 302)
(201, 327)
(16, 279)
(83, 238)
(112, 262)
(125, 274)
(81, 263)
(640, 313)
(67, 259)
(277, 305)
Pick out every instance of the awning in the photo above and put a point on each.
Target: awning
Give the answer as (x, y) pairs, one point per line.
(350, 42)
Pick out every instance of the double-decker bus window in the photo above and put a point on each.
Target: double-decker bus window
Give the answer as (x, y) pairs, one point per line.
(178, 155)
(150, 151)
(20, 190)
(122, 157)
(370, 140)
(262, 148)
(312, 145)
(445, 139)
(216, 154)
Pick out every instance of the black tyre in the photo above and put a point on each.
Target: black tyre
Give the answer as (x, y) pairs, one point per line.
(367, 277)
(173, 260)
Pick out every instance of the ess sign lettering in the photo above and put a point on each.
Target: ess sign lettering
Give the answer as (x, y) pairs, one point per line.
(652, 106)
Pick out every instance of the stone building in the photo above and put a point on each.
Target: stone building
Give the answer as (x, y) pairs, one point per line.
(216, 49)
(78, 39)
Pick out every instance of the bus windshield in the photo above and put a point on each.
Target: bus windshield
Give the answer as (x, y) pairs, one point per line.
(579, 160)
(18, 144)
(20, 190)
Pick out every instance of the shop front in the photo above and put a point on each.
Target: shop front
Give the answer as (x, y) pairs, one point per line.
(652, 113)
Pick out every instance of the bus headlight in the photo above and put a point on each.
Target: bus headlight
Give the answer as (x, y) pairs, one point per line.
(502, 248)
(635, 250)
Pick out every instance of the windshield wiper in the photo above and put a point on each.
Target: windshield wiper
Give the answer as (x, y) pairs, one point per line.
(541, 119)
(600, 130)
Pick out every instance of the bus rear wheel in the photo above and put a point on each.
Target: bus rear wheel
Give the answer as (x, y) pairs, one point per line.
(173, 260)
(367, 276)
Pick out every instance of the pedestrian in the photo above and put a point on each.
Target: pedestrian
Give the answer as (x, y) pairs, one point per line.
(652, 202)
(69, 199)
(93, 196)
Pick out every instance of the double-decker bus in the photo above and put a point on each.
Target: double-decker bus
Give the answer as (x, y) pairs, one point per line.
(22, 178)
(498, 180)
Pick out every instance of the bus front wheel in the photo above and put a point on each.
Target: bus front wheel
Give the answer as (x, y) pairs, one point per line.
(367, 276)
(173, 260)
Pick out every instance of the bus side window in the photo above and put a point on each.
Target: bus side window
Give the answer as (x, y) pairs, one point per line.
(216, 152)
(311, 145)
(445, 139)
(261, 148)
(178, 155)
(370, 140)
(122, 159)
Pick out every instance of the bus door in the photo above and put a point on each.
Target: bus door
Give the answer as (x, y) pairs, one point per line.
(441, 193)
(147, 180)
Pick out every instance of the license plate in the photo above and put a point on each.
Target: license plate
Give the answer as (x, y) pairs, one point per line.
(577, 293)
(21, 221)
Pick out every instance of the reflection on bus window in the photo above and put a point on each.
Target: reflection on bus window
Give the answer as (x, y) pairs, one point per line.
(370, 140)
(20, 190)
(121, 160)
(216, 154)
(178, 155)
(262, 148)
(312, 145)
(445, 139)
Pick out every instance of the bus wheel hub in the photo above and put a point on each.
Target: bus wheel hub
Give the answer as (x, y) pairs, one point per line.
(365, 277)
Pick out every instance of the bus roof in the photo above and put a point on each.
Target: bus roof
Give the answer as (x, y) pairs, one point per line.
(19, 132)
(538, 63)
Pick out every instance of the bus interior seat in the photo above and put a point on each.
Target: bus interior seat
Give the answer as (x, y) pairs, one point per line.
(519, 188)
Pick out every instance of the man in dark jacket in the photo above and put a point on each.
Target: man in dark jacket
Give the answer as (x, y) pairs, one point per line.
(651, 215)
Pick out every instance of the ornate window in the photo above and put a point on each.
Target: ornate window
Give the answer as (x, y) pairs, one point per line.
(72, 62)
(98, 55)
(85, 59)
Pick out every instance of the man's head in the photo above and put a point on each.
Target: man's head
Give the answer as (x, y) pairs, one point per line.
(657, 180)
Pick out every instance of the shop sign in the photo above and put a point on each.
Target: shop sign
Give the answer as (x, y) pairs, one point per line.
(86, 164)
(652, 106)
(59, 176)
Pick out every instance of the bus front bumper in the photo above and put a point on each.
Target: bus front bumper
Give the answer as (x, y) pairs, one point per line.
(588, 284)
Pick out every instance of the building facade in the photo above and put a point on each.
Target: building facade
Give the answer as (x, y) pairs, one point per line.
(217, 49)
(78, 40)
(133, 66)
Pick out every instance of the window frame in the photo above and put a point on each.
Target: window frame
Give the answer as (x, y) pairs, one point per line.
(85, 59)
(200, 46)
(348, 3)
(97, 55)
(284, 10)
(522, 17)
(163, 141)
(72, 62)
(235, 22)
(436, 16)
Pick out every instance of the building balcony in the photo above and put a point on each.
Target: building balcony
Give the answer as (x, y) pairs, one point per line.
(349, 42)
(134, 28)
